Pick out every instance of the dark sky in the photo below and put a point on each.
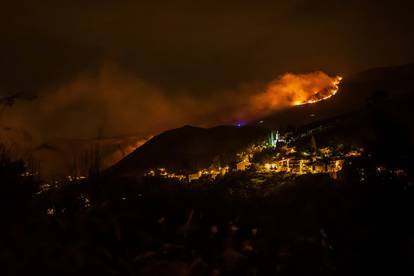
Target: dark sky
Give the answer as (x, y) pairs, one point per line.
(116, 68)
(198, 46)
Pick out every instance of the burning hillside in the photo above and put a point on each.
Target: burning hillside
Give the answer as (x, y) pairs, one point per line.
(297, 89)
(321, 95)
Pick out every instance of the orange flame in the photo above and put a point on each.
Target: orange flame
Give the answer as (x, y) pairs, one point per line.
(324, 94)
(296, 89)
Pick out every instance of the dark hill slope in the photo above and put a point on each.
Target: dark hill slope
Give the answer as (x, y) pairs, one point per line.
(384, 126)
(373, 109)
(187, 149)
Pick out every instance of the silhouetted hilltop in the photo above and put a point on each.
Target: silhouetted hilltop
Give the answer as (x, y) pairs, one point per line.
(188, 148)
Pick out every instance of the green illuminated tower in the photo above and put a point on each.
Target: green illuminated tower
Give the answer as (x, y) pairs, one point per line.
(273, 138)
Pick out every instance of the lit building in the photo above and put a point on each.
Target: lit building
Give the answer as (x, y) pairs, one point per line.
(193, 176)
(273, 138)
(243, 165)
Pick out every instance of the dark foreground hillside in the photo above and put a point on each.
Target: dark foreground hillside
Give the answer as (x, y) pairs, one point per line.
(313, 225)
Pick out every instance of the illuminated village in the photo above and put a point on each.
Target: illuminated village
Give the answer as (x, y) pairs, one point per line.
(275, 155)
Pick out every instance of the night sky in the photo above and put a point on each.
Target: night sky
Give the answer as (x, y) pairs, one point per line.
(153, 56)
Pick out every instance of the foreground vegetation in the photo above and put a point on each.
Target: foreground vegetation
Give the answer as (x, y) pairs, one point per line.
(287, 225)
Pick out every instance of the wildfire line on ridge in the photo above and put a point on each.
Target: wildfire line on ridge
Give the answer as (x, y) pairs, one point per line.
(296, 89)
(324, 94)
